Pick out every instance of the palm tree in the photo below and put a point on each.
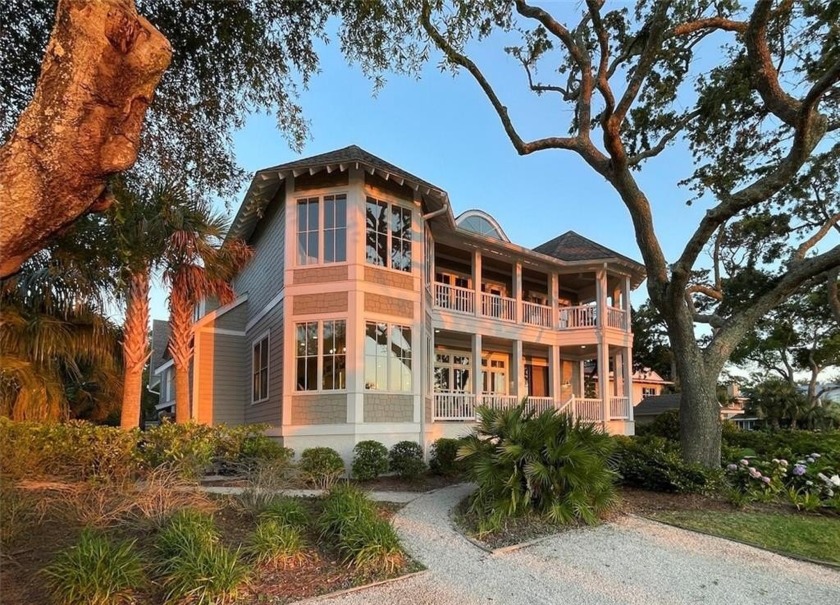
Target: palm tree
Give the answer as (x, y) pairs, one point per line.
(198, 263)
(58, 351)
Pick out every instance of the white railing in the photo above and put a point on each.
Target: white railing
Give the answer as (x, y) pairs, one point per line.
(499, 307)
(454, 406)
(540, 404)
(454, 298)
(587, 409)
(616, 318)
(498, 402)
(536, 315)
(584, 316)
(620, 408)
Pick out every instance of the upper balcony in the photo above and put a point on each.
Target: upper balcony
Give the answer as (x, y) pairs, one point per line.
(469, 283)
(504, 308)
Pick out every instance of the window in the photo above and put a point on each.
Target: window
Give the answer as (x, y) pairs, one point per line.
(388, 235)
(311, 251)
(452, 371)
(648, 392)
(259, 368)
(321, 355)
(494, 375)
(387, 357)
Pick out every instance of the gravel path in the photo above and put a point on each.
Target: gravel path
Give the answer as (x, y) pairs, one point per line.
(630, 562)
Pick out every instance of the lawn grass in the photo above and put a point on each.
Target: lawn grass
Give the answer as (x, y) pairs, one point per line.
(811, 537)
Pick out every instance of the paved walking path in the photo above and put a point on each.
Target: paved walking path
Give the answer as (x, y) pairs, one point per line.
(630, 562)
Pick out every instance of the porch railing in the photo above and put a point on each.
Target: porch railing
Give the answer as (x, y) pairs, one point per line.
(454, 298)
(587, 409)
(620, 408)
(583, 316)
(541, 404)
(498, 402)
(462, 406)
(616, 318)
(454, 406)
(536, 315)
(499, 307)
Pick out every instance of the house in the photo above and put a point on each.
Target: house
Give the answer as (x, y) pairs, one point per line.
(369, 311)
(651, 407)
(646, 382)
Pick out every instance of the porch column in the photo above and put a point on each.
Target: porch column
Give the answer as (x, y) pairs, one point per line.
(581, 378)
(628, 379)
(625, 300)
(601, 297)
(476, 370)
(476, 277)
(553, 288)
(603, 379)
(555, 380)
(517, 290)
(518, 374)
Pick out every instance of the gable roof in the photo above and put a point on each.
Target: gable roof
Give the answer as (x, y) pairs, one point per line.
(653, 406)
(266, 182)
(572, 246)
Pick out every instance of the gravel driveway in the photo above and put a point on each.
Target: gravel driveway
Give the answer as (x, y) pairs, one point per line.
(629, 562)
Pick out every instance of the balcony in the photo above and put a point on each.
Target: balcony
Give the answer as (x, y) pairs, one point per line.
(462, 300)
(462, 407)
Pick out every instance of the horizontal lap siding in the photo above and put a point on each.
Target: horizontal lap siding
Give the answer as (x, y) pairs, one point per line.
(235, 319)
(262, 277)
(228, 377)
(270, 411)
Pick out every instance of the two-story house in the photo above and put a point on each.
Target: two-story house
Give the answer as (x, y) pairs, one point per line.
(369, 311)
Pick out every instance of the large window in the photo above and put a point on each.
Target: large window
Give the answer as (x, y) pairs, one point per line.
(259, 370)
(387, 357)
(388, 235)
(452, 371)
(321, 355)
(315, 218)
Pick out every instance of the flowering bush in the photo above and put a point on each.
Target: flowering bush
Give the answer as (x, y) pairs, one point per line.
(810, 482)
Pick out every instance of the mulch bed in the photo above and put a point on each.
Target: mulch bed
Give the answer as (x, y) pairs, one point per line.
(642, 502)
(322, 572)
(389, 483)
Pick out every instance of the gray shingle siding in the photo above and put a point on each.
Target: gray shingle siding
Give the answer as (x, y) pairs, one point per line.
(229, 374)
(262, 278)
(270, 411)
(235, 319)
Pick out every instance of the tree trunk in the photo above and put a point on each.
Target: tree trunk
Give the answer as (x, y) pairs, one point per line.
(135, 348)
(699, 410)
(83, 124)
(180, 348)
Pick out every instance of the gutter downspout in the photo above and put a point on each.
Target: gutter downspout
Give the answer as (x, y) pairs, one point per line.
(437, 212)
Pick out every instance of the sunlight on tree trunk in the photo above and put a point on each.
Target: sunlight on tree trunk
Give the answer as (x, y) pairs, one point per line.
(180, 348)
(135, 348)
(83, 124)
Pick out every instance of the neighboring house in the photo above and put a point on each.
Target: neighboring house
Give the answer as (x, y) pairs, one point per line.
(368, 307)
(651, 407)
(161, 376)
(646, 383)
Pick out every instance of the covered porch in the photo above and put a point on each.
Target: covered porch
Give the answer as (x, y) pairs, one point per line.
(513, 371)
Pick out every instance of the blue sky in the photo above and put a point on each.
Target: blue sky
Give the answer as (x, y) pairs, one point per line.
(443, 129)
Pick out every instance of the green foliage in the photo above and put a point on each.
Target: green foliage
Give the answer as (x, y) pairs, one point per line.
(277, 544)
(321, 466)
(286, 511)
(406, 460)
(546, 464)
(96, 571)
(651, 347)
(17, 514)
(667, 425)
(654, 463)
(370, 459)
(349, 520)
(444, 458)
(786, 444)
(777, 402)
(193, 563)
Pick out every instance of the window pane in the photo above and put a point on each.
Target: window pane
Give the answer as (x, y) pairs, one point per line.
(329, 246)
(376, 233)
(341, 211)
(340, 245)
(264, 354)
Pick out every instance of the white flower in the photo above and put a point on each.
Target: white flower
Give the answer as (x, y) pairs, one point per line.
(809, 483)
(835, 480)
(815, 455)
(822, 477)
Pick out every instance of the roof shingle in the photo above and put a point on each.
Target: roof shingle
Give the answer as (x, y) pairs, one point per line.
(572, 246)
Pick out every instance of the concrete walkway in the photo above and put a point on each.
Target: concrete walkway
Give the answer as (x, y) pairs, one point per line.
(629, 562)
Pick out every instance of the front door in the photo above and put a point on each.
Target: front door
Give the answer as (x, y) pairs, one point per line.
(536, 377)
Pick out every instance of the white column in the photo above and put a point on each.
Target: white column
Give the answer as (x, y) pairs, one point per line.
(628, 378)
(625, 299)
(603, 379)
(476, 277)
(601, 297)
(518, 371)
(476, 370)
(553, 288)
(581, 379)
(555, 379)
(517, 290)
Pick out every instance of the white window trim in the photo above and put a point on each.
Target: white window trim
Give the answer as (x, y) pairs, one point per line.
(267, 337)
(451, 365)
(320, 194)
(391, 201)
(320, 373)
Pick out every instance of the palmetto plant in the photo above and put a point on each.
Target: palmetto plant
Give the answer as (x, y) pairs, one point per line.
(58, 351)
(197, 263)
(546, 464)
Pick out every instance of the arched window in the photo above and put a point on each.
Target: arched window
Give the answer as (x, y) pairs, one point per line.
(481, 223)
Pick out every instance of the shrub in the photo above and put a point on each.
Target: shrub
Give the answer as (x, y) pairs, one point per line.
(370, 459)
(241, 448)
(265, 479)
(192, 562)
(444, 458)
(654, 463)
(350, 521)
(667, 425)
(545, 464)
(286, 511)
(188, 448)
(163, 492)
(406, 460)
(95, 571)
(321, 466)
(277, 544)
